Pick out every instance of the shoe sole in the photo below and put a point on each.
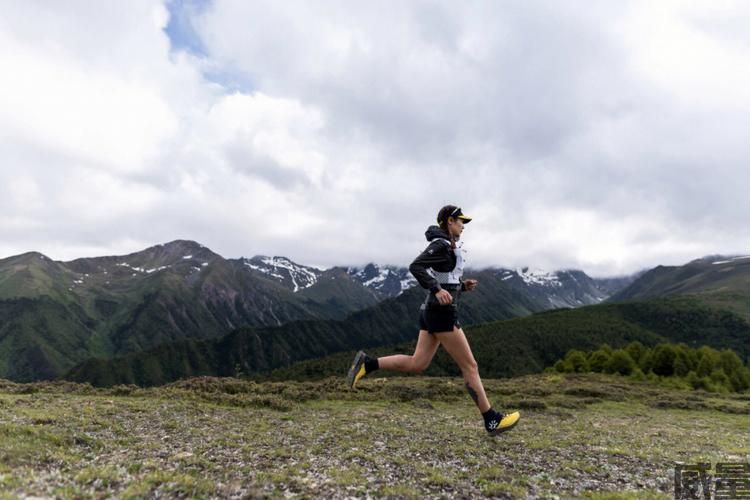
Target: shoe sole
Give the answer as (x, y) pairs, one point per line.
(356, 364)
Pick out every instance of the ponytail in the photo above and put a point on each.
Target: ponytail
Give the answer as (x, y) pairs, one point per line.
(442, 219)
(444, 227)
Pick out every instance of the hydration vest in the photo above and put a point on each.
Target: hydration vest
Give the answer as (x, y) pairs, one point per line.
(451, 277)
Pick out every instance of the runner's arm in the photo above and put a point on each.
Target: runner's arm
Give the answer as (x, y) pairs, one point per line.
(435, 253)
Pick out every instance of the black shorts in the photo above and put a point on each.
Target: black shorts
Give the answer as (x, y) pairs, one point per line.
(438, 319)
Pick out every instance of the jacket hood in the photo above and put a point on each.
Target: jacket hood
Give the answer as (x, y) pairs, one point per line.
(434, 231)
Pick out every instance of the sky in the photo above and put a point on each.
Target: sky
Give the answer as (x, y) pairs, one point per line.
(604, 136)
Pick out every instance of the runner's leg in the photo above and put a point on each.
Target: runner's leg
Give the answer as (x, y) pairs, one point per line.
(458, 348)
(427, 345)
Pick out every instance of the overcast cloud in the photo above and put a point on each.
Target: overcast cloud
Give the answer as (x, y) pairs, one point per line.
(604, 136)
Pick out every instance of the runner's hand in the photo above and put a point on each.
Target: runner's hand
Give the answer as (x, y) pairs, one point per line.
(444, 297)
(470, 284)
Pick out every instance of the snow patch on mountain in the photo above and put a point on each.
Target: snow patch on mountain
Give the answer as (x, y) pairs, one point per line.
(536, 276)
(388, 280)
(264, 270)
(301, 277)
(732, 259)
(562, 288)
(407, 283)
(125, 264)
(379, 278)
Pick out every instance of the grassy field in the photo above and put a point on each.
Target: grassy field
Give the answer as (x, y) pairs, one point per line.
(580, 435)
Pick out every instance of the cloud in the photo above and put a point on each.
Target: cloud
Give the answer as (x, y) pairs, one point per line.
(608, 137)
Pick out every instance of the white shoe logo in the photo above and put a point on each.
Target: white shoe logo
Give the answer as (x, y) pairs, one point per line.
(493, 424)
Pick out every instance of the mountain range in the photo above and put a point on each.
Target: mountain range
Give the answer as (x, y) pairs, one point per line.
(717, 280)
(55, 314)
(512, 326)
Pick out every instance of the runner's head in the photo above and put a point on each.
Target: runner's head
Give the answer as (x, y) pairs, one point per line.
(452, 220)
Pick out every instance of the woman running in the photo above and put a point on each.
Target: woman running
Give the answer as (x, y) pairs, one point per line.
(438, 317)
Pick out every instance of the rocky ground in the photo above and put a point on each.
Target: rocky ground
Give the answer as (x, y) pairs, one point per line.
(579, 436)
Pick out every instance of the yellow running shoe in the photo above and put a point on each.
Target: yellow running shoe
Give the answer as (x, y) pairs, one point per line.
(357, 370)
(503, 423)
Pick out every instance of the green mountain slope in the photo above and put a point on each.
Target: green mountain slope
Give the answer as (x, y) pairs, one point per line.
(527, 345)
(32, 275)
(40, 338)
(503, 348)
(258, 349)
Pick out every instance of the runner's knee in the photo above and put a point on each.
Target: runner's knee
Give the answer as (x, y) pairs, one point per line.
(469, 367)
(419, 365)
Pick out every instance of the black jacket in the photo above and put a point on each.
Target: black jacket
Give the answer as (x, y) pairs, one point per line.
(438, 255)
